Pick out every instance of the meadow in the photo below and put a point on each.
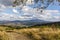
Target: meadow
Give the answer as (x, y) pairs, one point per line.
(44, 32)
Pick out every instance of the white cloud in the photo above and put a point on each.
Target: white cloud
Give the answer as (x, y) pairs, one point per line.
(49, 15)
(56, 17)
(6, 16)
(53, 11)
(28, 16)
(2, 6)
(15, 11)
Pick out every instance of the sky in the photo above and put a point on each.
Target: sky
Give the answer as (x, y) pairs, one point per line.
(7, 12)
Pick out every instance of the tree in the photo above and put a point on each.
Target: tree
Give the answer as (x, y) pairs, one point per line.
(58, 0)
(23, 2)
(36, 1)
(18, 2)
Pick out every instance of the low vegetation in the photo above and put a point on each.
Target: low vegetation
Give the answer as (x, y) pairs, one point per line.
(45, 32)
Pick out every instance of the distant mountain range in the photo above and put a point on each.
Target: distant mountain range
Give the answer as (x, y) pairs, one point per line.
(23, 23)
(26, 22)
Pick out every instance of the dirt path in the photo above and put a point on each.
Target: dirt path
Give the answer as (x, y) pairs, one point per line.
(16, 36)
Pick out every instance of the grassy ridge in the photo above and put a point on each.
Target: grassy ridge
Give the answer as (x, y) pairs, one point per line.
(45, 32)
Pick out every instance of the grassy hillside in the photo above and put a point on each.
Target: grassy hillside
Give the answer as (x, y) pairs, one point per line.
(45, 32)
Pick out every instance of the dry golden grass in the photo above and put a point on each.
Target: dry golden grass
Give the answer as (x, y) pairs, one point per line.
(3, 35)
(38, 33)
(41, 33)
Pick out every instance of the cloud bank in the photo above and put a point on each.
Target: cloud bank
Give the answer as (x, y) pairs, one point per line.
(26, 13)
